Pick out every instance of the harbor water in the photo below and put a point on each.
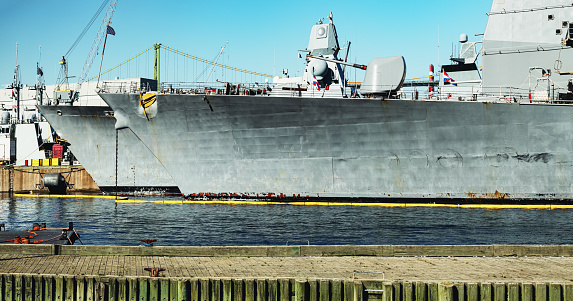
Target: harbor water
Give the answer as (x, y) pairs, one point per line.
(103, 222)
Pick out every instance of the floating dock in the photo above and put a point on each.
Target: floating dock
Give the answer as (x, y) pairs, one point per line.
(357, 273)
(38, 234)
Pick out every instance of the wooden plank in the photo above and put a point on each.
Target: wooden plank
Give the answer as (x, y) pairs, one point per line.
(28, 287)
(122, 289)
(324, 290)
(70, 286)
(112, 289)
(568, 292)
(336, 292)
(432, 291)
(133, 289)
(261, 285)
(472, 292)
(194, 293)
(164, 289)
(250, 292)
(227, 290)
(527, 292)
(486, 292)
(173, 289)
(285, 289)
(313, 289)
(359, 291)
(38, 287)
(348, 290)
(300, 290)
(99, 290)
(90, 289)
(459, 292)
(81, 288)
(272, 290)
(59, 293)
(18, 287)
(421, 291)
(143, 294)
(499, 292)
(408, 291)
(513, 293)
(541, 291)
(48, 288)
(2, 287)
(153, 289)
(397, 287)
(555, 292)
(238, 290)
(204, 289)
(183, 290)
(445, 292)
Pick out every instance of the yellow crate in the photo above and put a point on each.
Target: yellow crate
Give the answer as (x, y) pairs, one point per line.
(45, 162)
(35, 162)
(55, 161)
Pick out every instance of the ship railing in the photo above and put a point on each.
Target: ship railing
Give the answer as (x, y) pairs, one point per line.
(125, 87)
(553, 94)
(500, 94)
(219, 87)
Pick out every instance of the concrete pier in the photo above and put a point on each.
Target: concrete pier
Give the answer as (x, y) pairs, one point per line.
(287, 273)
(29, 178)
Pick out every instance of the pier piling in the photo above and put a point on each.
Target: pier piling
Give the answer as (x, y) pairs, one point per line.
(80, 288)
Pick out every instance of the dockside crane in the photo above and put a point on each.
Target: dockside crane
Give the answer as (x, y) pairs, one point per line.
(63, 94)
(216, 60)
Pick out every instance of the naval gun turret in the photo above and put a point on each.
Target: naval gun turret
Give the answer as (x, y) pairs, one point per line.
(324, 75)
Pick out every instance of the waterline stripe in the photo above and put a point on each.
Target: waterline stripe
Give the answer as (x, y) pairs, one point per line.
(466, 206)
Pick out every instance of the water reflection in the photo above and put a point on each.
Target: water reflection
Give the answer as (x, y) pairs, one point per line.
(103, 223)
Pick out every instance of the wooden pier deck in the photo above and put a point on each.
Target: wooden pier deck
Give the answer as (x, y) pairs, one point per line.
(197, 262)
(287, 273)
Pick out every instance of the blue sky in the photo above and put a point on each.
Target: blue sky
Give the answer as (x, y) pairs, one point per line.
(263, 36)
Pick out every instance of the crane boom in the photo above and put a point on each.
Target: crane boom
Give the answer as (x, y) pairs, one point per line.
(216, 60)
(97, 42)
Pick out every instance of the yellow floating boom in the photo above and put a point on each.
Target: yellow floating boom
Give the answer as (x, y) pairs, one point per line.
(70, 196)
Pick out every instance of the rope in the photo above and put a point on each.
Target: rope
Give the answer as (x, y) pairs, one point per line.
(37, 149)
(188, 56)
(122, 63)
(213, 63)
(19, 241)
(88, 26)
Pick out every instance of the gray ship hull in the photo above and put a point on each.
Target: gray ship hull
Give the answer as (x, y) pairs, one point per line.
(256, 146)
(91, 132)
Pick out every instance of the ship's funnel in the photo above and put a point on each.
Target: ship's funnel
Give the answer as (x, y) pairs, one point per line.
(383, 76)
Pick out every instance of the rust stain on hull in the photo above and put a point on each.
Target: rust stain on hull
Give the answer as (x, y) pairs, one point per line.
(488, 195)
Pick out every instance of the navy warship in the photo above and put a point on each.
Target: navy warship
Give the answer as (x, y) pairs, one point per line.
(502, 133)
(117, 161)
